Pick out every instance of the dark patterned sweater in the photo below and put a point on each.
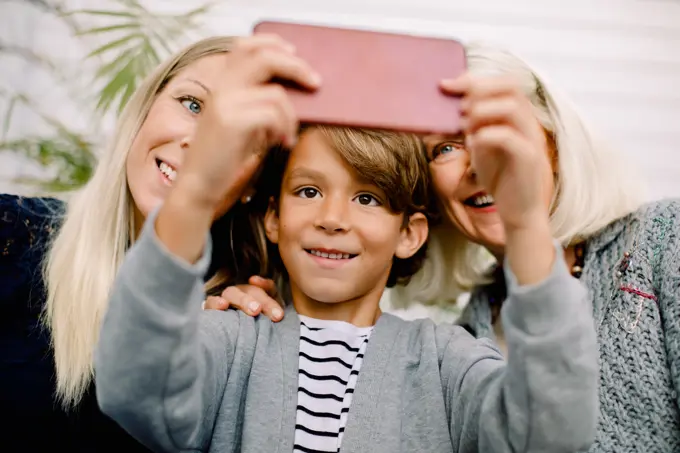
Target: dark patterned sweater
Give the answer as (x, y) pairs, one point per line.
(32, 420)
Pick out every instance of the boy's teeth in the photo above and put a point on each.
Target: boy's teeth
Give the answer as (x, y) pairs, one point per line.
(168, 171)
(332, 256)
(483, 200)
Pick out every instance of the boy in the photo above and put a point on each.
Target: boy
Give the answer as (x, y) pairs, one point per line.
(348, 219)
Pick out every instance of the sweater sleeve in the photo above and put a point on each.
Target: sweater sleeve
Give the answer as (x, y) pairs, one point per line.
(162, 363)
(545, 397)
(667, 276)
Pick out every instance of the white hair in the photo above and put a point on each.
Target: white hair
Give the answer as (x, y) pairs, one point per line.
(593, 187)
(84, 257)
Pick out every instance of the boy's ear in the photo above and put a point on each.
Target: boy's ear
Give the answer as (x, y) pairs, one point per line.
(413, 236)
(271, 222)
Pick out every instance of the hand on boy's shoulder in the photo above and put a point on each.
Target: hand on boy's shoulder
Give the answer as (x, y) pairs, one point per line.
(259, 297)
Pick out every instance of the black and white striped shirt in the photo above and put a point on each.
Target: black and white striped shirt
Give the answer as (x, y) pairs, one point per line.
(331, 353)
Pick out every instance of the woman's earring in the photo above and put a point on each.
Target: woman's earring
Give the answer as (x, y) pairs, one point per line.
(246, 199)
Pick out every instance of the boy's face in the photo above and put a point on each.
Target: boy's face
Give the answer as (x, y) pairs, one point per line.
(336, 236)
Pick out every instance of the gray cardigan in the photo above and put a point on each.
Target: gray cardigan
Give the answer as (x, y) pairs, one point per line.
(182, 379)
(636, 303)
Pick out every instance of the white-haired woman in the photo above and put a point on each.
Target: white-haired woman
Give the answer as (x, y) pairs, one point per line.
(50, 325)
(626, 253)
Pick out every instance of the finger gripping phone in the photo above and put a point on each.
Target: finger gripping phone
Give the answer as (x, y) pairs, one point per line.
(374, 79)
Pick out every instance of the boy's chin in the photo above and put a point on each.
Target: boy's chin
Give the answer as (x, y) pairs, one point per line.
(328, 294)
(329, 297)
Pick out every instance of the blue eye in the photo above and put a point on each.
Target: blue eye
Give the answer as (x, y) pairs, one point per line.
(191, 104)
(367, 200)
(447, 150)
(307, 192)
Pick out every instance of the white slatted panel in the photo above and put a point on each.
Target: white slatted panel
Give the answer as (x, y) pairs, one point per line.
(618, 59)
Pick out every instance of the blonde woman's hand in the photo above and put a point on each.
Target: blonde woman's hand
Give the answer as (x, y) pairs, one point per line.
(258, 297)
(242, 116)
(508, 148)
(241, 119)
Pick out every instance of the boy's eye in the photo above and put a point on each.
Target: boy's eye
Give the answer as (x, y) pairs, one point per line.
(367, 200)
(190, 103)
(308, 192)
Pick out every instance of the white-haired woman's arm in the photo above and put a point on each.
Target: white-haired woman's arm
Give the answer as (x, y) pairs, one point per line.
(544, 398)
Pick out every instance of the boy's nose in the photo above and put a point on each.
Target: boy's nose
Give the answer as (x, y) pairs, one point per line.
(332, 216)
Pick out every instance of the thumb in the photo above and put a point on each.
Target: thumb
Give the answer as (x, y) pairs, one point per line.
(457, 86)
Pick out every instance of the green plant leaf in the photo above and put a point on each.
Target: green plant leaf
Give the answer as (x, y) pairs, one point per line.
(107, 29)
(113, 44)
(134, 4)
(117, 86)
(129, 58)
(28, 55)
(94, 12)
(201, 10)
(140, 39)
(8, 116)
(115, 65)
(69, 154)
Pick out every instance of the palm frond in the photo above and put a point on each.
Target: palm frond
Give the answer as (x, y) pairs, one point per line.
(129, 42)
(27, 55)
(68, 155)
(137, 40)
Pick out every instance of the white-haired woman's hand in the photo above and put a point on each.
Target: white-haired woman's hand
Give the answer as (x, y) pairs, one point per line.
(508, 147)
(511, 157)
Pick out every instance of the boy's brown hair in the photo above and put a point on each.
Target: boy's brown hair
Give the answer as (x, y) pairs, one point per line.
(393, 161)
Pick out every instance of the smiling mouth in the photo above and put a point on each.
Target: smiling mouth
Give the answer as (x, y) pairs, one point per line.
(480, 200)
(167, 170)
(331, 254)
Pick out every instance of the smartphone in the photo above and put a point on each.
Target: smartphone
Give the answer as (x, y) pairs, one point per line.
(373, 79)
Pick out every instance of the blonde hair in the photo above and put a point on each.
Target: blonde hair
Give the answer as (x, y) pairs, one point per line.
(593, 186)
(84, 257)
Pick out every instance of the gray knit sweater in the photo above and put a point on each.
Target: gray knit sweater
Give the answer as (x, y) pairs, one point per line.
(636, 305)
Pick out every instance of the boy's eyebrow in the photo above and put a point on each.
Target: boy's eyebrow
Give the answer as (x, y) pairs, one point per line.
(310, 173)
(305, 172)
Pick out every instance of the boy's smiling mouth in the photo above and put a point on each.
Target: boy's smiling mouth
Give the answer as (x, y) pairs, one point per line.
(330, 254)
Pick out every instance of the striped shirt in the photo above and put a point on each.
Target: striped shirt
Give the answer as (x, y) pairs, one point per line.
(331, 353)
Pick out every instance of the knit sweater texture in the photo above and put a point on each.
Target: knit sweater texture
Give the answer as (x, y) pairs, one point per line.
(632, 272)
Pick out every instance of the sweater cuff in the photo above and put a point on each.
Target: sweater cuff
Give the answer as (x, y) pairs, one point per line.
(541, 307)
(175, 266)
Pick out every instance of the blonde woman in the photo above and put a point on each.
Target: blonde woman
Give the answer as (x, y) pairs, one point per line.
(626, 253)
(46, 372)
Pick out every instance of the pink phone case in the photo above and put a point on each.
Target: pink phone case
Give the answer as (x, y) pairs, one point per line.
(374, 79)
